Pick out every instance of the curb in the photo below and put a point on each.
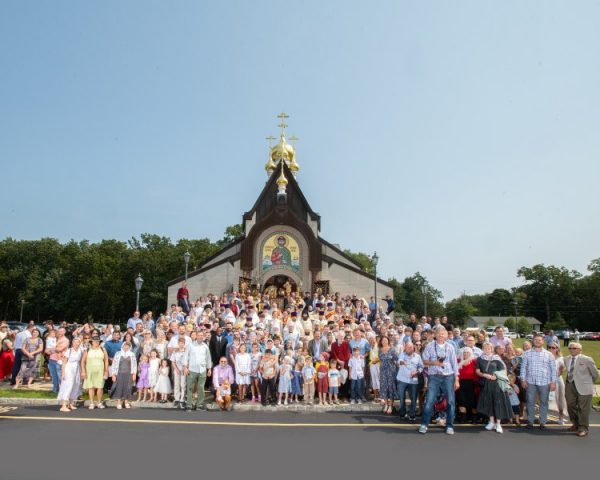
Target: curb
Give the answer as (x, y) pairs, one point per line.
(210, 406)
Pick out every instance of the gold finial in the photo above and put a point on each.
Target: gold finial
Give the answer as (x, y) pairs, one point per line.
(282, 181)
(294, 139)
(270, 138)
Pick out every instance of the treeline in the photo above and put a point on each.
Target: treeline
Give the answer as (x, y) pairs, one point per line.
(556, 296)
(77, 281)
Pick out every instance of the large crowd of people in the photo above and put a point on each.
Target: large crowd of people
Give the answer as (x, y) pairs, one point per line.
(315, 349)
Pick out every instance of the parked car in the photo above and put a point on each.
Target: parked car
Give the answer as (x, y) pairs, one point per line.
(512, 335)
(594, 336)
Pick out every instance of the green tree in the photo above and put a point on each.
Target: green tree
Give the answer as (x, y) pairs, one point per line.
(490, 323)
(410, 299)
(511, 324)
(500, 302)
(460, 310)
(364, 260)
(232, 233)
(547, 287)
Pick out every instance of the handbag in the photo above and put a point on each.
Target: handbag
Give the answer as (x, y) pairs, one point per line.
(441, 404)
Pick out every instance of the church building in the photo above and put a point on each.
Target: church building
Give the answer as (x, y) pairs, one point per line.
(281, 249)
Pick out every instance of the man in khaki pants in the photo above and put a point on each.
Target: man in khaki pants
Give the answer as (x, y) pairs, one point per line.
(579, 388)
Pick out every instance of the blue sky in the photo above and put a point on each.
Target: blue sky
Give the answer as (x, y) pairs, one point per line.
(458, 139)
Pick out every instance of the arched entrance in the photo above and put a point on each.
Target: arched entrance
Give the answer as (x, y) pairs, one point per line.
(279, 286)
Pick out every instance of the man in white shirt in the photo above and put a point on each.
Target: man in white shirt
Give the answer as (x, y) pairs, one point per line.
(196, 367)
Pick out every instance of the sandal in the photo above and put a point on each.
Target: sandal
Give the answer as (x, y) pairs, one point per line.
(64, 409)
(72, 407)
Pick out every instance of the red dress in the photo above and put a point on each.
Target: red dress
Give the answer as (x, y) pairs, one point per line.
(322, 379)
(7, 359)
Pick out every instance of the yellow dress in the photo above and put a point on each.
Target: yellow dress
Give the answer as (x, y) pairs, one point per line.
(94, 369)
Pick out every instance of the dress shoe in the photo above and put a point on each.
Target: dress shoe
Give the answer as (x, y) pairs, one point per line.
(582, 433)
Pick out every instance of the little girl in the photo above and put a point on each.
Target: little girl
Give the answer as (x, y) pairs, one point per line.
(243, 366)
(308, 376)
(322, 369)
(154, 364)
(513, 397)
(224, 396)
(285, 380)
(333, 376)
(143, 384)
(163, 384)
(255, 357)
(297, 379)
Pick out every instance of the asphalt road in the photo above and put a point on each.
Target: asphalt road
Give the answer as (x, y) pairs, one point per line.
(42, 443)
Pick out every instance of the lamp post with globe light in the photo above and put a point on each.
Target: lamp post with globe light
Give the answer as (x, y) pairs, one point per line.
(139, 281)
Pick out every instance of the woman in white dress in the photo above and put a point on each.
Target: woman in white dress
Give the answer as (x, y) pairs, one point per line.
(243, 369)
(559, 393)
(70, 385)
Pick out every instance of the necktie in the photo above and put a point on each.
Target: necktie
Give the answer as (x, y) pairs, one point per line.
(571, 369)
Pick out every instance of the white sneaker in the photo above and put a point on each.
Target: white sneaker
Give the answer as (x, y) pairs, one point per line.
(279, 402)
(285, 403)
(360, 401)
(423, 429)
(352, 402)
(499, 428)
(449, 431)
(561, 421)
(490, 426)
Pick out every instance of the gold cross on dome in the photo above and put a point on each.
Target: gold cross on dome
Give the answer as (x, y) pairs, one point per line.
(283, 125)
(294, 139)
(270, 138)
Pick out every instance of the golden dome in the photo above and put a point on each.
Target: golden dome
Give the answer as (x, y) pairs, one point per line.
(270, 165)
(282, 181)
(294, 167)
(283, 150)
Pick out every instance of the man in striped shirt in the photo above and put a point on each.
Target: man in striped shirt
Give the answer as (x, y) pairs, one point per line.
(538, 377)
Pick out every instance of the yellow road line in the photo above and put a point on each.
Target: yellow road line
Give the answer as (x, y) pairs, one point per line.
(239, 424)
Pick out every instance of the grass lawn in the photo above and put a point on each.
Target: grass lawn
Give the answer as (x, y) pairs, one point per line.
(590, 348)
(24, 393)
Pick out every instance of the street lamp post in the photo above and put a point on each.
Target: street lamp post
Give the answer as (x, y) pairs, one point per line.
(22, 305)
(139, 281)
(515, 303)
(186, 259)
(424, 292)
(375, 260)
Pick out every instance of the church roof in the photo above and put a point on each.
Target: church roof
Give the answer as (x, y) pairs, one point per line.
(297, 202)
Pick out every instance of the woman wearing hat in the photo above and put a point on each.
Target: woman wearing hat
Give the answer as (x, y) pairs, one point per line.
(94, 370)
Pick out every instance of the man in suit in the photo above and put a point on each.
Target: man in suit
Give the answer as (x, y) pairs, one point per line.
(217, 345)
(317, 345)
(579, 388)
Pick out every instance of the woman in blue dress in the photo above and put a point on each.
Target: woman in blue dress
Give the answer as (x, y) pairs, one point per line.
(387, 374)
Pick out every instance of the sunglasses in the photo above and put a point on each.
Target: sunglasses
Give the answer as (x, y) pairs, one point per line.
(573, 348)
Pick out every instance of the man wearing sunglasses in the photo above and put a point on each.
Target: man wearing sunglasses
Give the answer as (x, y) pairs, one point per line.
(579, 388)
